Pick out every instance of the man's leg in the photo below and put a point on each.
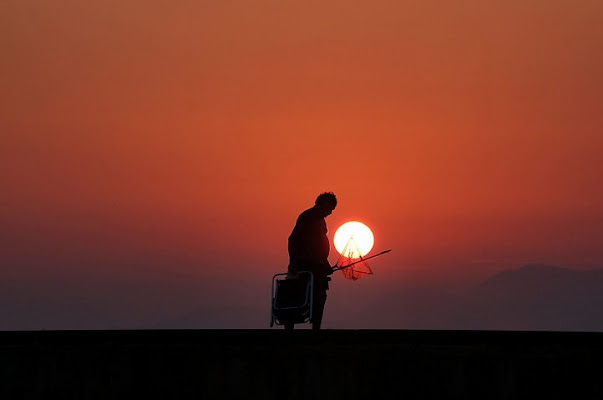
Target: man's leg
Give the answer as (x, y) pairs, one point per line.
(320, 298)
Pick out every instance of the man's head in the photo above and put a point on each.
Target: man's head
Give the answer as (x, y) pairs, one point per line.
(326, 203)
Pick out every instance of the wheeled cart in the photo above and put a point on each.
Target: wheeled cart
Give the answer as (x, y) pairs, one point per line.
(292, 298)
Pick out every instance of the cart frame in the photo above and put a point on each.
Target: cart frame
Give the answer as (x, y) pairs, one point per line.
(308, 300)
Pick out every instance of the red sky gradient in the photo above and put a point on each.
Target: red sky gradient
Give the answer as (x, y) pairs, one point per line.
(185, 137)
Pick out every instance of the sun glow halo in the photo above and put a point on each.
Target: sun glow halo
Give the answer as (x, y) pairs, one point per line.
(358, 238)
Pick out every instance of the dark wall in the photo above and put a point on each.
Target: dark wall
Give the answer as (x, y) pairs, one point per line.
(274, 364)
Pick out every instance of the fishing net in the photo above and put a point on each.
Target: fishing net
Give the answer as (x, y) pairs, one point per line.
(351, 265)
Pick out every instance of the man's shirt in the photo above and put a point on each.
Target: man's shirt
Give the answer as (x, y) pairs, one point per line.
(308, 242)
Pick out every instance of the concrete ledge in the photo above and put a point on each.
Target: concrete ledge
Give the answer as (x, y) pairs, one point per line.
(274, 364)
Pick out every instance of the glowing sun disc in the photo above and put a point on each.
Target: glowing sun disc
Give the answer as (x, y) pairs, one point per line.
(356, 236)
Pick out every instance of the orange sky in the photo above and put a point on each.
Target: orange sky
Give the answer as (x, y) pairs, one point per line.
(181, 135)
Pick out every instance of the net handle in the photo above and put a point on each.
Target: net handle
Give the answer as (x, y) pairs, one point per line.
(336, 268)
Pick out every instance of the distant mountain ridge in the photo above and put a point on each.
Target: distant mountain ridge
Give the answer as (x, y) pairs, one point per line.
(533, 297)
(541, 297)
(537, 274)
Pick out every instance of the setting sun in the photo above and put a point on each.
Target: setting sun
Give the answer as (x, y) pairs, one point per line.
(353, 239)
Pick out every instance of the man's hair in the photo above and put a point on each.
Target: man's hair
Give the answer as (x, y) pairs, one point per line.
(327, 198)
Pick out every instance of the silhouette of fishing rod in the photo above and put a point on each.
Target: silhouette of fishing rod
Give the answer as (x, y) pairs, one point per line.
(336, 268)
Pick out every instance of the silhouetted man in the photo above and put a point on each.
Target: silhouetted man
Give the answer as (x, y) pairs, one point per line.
(309, 251)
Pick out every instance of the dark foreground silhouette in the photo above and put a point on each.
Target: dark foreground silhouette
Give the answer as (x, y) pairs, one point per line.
(305, 364)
